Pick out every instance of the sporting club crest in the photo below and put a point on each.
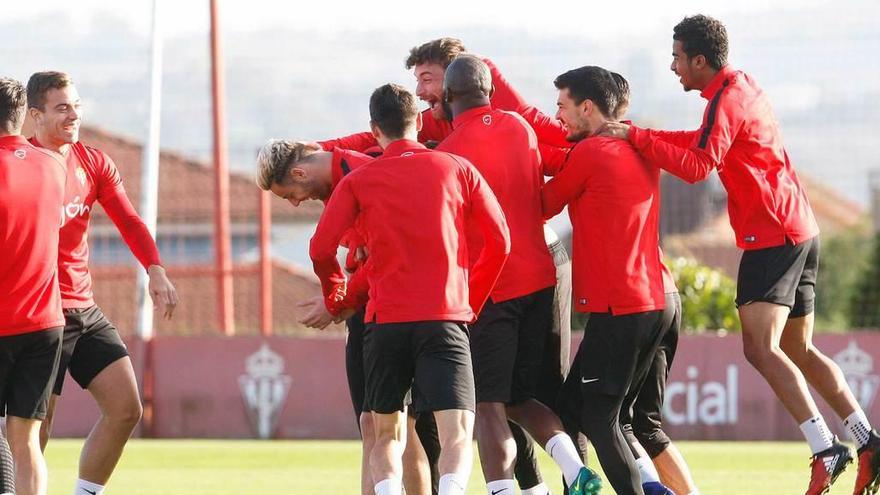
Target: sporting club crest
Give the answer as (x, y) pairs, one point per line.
(858, 367)
(264, 389)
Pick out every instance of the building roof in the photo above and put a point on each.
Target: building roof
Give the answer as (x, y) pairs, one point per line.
(115, 290)
(186, 186)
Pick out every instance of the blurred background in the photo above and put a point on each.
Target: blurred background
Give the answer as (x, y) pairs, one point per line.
(306, 69)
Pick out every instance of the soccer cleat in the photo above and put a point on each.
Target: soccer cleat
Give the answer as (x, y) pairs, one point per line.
(868, 477)
(586, 483)
(826, 466)
(656, 488)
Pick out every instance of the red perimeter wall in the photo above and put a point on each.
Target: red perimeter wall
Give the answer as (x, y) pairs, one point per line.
(204, 385)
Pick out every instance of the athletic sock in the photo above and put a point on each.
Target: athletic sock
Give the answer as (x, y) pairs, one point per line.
(539, 489)
(562, 450)
(817, 434)
(859, 427)
(647, 471)
(452, 484)
(501, 487)
(7, 469)
(389, 486)
(84, 487)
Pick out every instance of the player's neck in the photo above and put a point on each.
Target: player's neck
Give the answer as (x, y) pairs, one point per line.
(56, 145)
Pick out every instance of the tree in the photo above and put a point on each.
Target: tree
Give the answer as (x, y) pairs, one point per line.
(864, 308)
(707, 297)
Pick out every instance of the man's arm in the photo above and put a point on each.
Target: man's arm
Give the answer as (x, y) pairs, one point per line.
(486, 212)
(339, 215)
(552, 158)
(682, 139)
(568, 184)
(357, 142)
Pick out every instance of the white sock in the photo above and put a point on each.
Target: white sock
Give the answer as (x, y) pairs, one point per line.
(539, 489)
(859, 427)
(817, 434)
(84, 487)
(389, 486)
(501, 487)
(563, 451)
(451, 484)
(647, 471)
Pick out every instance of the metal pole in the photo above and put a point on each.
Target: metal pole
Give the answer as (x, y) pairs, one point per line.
(149, 213)
(222, 245)
(265, 264)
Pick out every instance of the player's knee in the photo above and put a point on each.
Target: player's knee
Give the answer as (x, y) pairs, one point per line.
(127, 415)
(654, 441)
(756, 352)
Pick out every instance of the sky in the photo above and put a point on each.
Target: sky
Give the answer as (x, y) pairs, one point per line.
(585, 18)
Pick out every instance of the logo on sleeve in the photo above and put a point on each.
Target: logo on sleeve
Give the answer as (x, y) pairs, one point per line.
(20, 154)
(487, 119)
(750, 238)
(81, 175)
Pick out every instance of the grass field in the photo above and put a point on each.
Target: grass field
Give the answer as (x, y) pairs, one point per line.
(201, 467)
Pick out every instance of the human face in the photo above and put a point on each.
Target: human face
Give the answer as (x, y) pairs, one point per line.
(298, 187)
(683, 67)
(429, 86)
(573, 116)
(61, 116)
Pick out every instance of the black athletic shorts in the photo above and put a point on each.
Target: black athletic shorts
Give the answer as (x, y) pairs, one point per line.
(507, 345)
(354, 361)
(91, 343)
(430, 356)
(784, 275)
(28, 363)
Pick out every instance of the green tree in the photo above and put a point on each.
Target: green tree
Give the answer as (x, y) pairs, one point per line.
(843, 259)
(864, 308)
(707, 297)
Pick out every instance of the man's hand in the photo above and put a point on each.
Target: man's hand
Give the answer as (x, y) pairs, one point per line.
(343, 315)
(162, 291)
(617, 130)
(316, 315)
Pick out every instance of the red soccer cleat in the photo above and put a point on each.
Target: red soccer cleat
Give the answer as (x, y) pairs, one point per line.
(868, 478)
(826, 466)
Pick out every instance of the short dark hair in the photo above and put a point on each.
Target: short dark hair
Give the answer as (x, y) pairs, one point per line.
(703, 35)
(13, 103)
(441, 51)
(41, 82)
(393, 109)
(590, 83)
(622, 95)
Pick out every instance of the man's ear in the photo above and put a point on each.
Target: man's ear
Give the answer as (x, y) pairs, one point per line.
(297, 173)
(374, 129)
(699, 62)
(419, 122)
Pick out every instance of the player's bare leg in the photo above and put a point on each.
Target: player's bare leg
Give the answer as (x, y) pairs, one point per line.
(46, 425)
(116, 392)
(416, 470)
(31, 474)
(455, 428)
(495, 441)
(368, 435)
(674, 471)
(386, 465)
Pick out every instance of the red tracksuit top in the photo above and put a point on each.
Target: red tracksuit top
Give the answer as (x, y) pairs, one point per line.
(741, 139)
(92, 176)
(415, 205)
(613, 200)
(31, 199)
(505, 97)
(503, 147)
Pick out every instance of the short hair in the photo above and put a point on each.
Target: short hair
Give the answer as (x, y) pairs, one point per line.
(13, 103)
(393, 109)
(703, 35)
(591, 83)
(441, 51)
(468, 75)
(41, 82)
(275, 159)
(622, 95)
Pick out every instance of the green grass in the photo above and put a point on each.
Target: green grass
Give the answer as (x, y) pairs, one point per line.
(197, 467)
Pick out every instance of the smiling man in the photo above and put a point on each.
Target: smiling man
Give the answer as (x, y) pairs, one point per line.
(92, 350)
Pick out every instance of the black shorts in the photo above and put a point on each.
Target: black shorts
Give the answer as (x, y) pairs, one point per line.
(507, 345)
(784, 275)
(354, 361)
(28, 363)
(91, 343)
(430, 356)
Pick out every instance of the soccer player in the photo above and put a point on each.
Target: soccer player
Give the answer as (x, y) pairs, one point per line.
(92, 350)
(421, 290)
(774, 225)
(508, 337)
(613, 200)
(428, 62)
(297, 172)
(32, 184)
